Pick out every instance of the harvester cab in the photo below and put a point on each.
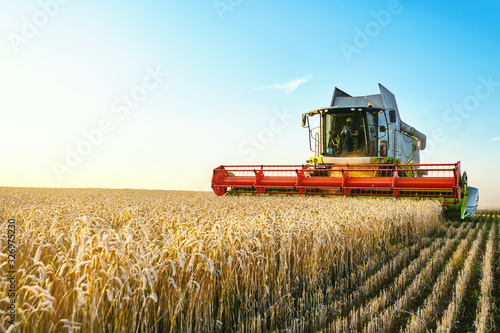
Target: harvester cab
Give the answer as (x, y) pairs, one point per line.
(382, 137)
(361, 148)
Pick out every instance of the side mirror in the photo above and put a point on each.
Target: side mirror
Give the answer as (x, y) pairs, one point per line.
(304, 119)
(392, 116)
(382, 129)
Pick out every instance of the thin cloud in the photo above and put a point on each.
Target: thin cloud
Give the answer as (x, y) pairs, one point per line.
(495, 139)
(288, 87)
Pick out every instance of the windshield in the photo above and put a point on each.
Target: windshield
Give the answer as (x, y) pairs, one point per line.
(343, 139)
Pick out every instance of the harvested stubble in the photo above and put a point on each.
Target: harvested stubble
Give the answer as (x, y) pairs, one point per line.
(431, 308)
(388, 318)
(483, 319)
(123, 260)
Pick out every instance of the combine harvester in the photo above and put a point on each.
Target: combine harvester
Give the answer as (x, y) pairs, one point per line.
(362, 148)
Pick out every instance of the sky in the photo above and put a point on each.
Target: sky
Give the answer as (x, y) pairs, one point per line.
(156, 94)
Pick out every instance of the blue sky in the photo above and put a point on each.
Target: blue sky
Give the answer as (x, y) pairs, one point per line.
(155, 94)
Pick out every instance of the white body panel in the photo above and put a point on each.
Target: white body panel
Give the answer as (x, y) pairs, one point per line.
(472, 202)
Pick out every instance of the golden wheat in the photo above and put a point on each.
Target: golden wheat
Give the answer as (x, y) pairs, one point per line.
(126, 260)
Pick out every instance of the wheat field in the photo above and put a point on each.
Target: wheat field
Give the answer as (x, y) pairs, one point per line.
(92, 260)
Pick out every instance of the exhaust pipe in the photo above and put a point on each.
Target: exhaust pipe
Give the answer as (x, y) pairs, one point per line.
(412, 131)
